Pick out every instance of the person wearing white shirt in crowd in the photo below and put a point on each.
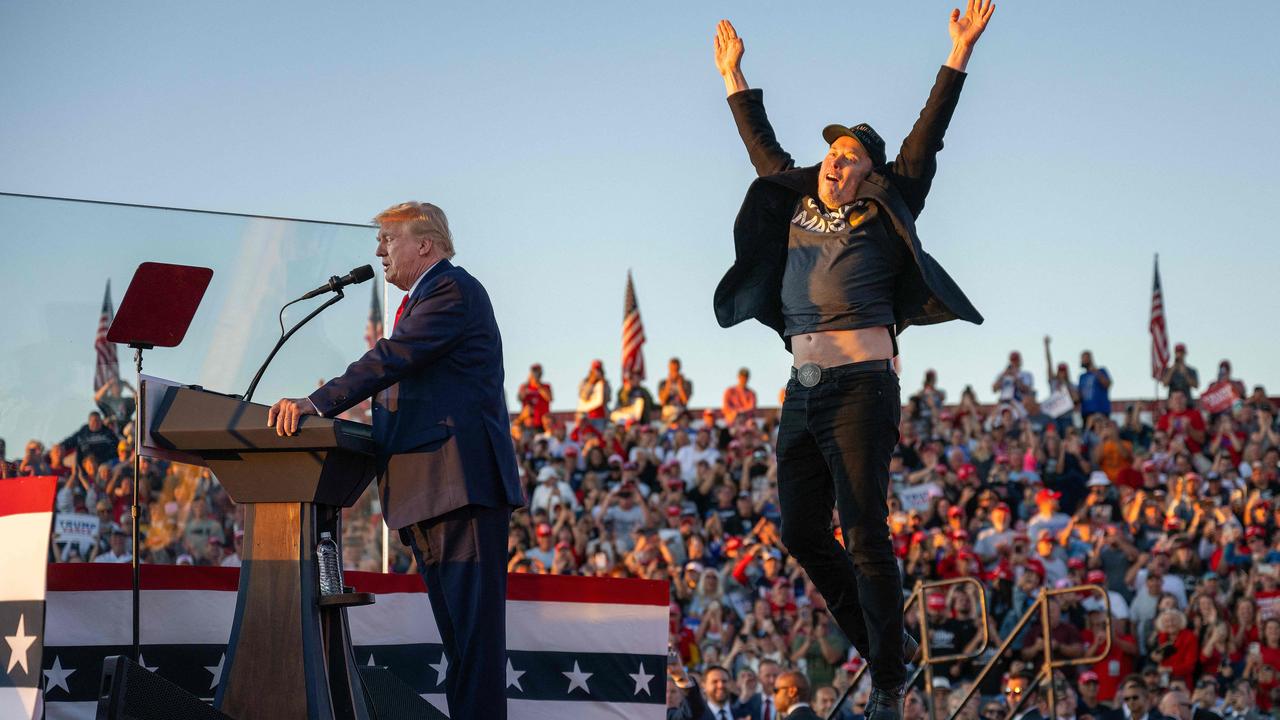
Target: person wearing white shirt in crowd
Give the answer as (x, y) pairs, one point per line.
(551, 490)
(689, 455)
(119, 552)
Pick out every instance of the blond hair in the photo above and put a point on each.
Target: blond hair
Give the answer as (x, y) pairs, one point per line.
(421, 219)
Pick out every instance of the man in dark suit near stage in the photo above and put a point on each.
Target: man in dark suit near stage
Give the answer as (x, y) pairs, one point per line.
(447, 469)
(791, 695)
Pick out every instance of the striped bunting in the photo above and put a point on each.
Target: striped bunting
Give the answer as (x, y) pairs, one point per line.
(577, 647)
(26, 520)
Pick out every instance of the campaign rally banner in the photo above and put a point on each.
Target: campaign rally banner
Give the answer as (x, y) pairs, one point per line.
(76, 527)
(1219, 397)
(589, 648)
(918, 497)
(26, 513)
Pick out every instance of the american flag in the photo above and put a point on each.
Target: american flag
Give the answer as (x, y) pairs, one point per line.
(1159, 331)
(373, 330)
(108, 364)
(632, 333)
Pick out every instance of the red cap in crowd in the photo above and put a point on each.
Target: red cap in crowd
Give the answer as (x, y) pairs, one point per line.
(937, 601)
(673, 511)
(1095, 577)
(598, 365)
(733, 543)
(543, 530)
(960, 535)
(1076, 563)
(1088, 676)
(955, 512)
(1045, 495)
(966, 471)
(1148, 466)
(1003, 507)
(1255, 532)
(1036, 567)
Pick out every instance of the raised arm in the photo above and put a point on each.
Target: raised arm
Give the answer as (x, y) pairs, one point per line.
(747, 106)
(913, 170)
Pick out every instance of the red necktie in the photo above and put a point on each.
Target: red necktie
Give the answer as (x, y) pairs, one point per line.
(400, 311)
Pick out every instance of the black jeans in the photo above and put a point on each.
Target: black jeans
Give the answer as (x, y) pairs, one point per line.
(834, 444)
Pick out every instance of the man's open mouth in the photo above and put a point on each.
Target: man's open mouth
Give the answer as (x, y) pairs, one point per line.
(832, 178)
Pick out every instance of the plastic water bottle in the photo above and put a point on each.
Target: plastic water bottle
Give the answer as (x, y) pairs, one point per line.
(330, 568)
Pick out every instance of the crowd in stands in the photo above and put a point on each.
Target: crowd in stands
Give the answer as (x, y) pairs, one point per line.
(1171, 508)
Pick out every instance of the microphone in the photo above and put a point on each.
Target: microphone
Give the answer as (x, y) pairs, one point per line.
(355, 277)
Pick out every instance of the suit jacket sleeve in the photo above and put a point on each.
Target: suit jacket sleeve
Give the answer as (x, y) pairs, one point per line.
(693, 707)
(913, 170)
(429, 330)
(757, 134)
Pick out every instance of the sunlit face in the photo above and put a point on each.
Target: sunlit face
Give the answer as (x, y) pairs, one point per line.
(844, 167)
(716, 685)
(403, 254)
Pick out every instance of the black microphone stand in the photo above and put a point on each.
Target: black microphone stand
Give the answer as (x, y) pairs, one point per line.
(248, 394)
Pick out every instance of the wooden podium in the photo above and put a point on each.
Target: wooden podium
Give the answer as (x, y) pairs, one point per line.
(289, 655)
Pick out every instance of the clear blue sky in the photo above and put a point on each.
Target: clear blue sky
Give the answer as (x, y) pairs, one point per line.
(571, 141)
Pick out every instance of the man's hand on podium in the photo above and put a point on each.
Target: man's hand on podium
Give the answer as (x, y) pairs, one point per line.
(285, 415)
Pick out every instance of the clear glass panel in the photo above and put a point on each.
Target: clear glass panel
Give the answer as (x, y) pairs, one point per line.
(59, 257)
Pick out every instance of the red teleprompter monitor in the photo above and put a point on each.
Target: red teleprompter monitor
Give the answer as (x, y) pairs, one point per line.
(159, 304)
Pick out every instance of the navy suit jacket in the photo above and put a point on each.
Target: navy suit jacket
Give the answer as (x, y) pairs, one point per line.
(439, 411)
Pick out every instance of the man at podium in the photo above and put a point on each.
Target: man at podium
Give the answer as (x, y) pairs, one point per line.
(446, 466)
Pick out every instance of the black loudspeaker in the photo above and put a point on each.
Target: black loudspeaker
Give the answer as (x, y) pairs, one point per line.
(392, 699)
(129, 692)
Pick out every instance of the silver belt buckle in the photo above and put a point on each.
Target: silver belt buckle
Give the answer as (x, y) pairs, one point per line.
(809, 374)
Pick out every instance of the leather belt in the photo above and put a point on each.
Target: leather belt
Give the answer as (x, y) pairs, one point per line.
(811, 374)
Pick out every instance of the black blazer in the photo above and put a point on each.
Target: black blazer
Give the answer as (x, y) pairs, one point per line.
(804, 713)
(440, 415)
(752, 288)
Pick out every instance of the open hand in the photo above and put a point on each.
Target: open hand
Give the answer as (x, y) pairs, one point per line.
(966, 30)
(728, 48)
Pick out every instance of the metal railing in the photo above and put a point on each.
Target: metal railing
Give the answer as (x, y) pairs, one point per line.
(1040, 607)
(927, 661)
(1049, 663)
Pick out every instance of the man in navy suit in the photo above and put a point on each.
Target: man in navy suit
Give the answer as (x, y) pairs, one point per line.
(447, 468)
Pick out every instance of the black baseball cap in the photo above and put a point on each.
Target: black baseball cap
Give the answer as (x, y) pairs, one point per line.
(861, 132)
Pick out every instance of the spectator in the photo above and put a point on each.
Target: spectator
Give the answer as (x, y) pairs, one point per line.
(535, 400)
(1182, 423)
(634, 401)
(1013, 383)
(1095, 388)
(1137, 701)
(739, 400)
(92, 439)
(674, 392)
(1181, 377)
(593, 395)
(118, 552)
(715, 688)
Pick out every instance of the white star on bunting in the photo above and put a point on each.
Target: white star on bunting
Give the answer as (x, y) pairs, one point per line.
(142, 662)
(642, 680)
(371, 663)
(513, 676)
(19, 644)
(56, 676)
(577, 679)
(441, 667)
(216, 670)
